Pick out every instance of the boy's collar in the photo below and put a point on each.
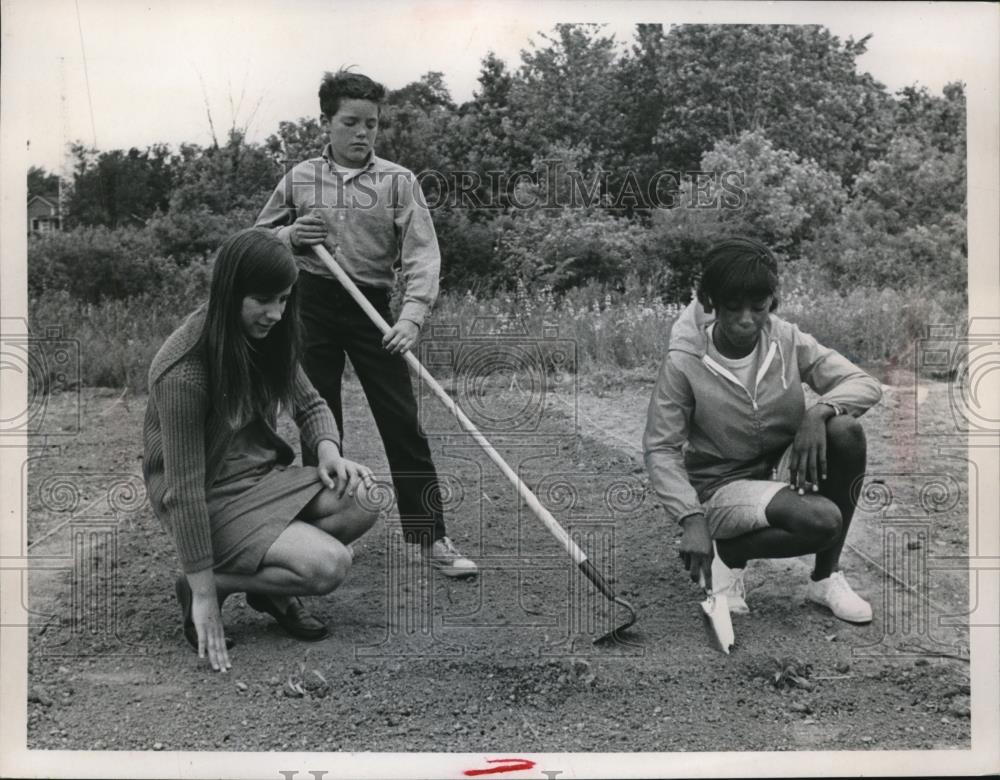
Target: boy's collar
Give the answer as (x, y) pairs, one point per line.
(328, 157)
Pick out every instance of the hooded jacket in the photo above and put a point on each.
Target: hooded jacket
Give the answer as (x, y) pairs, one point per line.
(186, 441)
(704, 429)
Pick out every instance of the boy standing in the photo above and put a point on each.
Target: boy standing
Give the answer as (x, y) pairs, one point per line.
(369, 214)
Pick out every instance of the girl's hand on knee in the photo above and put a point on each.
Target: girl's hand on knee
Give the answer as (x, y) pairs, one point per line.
(808, 463)
(357, 475)
(331, 467)
(339, 473)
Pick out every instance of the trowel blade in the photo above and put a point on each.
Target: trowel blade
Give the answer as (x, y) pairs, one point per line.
(715, 612)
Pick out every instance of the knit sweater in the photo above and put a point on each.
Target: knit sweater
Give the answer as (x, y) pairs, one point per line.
(186, 440)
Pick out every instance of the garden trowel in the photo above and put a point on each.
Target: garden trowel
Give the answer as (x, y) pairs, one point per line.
(715, 615)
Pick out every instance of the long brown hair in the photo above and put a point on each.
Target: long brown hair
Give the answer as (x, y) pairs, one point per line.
(251, 377)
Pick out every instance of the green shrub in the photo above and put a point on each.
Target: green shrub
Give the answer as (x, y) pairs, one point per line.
(905, 225)
(469, 259)
(190, 236)
(94, 263)
(562, 249)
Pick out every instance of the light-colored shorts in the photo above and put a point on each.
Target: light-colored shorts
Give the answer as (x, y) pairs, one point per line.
(738, 507)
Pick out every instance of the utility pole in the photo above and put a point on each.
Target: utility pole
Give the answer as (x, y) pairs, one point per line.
(65, 119)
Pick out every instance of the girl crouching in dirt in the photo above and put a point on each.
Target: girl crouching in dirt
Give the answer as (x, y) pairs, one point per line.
(216, 470)
(732, 451)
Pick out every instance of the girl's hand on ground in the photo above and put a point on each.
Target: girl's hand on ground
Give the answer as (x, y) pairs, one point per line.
(307, 230)
(808, 464)
(696, 549)
(211, 634)
(402, 337)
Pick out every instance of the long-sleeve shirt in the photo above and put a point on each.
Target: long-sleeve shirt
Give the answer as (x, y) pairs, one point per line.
(186, 441)
(705, 429)
(377, 222)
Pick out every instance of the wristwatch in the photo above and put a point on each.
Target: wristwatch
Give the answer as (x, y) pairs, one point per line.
(837, 408)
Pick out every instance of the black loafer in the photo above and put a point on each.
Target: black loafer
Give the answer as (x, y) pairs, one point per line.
(185, 598)
(296, 619)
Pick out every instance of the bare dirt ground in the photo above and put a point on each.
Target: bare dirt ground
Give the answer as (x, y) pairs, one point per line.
(503, 662)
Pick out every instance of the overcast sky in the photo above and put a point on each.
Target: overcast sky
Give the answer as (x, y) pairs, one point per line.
(147, 61)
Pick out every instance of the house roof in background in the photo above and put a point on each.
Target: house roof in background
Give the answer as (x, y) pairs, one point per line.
(53, 201)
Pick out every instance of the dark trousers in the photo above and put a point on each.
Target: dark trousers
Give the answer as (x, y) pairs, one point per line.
(335, 326)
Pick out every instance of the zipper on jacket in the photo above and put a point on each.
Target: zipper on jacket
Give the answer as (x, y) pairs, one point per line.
(724, 372)
(765, 364)
(721, 370)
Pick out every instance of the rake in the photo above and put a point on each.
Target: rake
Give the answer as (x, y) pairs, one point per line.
(579, 557)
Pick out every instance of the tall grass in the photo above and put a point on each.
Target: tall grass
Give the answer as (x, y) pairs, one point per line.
(874, 326)
(609, 329)
(630, 330)
(117, 338)
(613, 331)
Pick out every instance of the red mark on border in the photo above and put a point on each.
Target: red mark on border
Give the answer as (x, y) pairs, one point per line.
(510, 765)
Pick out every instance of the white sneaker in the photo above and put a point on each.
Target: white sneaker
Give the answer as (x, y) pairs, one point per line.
(729, 583)
(835, 594)
(446, 558)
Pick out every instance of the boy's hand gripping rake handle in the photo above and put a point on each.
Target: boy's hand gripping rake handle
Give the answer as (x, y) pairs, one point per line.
(543, 514)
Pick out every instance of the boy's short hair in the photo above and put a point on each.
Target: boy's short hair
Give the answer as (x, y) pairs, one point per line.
(736, 269)
(346, 85)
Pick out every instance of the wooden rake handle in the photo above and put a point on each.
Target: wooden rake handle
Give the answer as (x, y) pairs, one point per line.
(536, 506)
(523, 490)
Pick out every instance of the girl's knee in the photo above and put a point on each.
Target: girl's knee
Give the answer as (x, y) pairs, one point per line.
(329, 569)
(844, 434)
(825, 522)
(363, 511)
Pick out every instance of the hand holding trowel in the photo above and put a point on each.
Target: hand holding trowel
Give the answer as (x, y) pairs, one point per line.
(718, 622)
(696, 553)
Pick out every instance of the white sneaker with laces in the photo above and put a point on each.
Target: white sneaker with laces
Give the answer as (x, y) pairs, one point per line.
(835, 594)
(729, 583)
(446, 558)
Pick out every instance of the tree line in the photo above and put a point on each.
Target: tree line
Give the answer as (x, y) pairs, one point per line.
(630, 159)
